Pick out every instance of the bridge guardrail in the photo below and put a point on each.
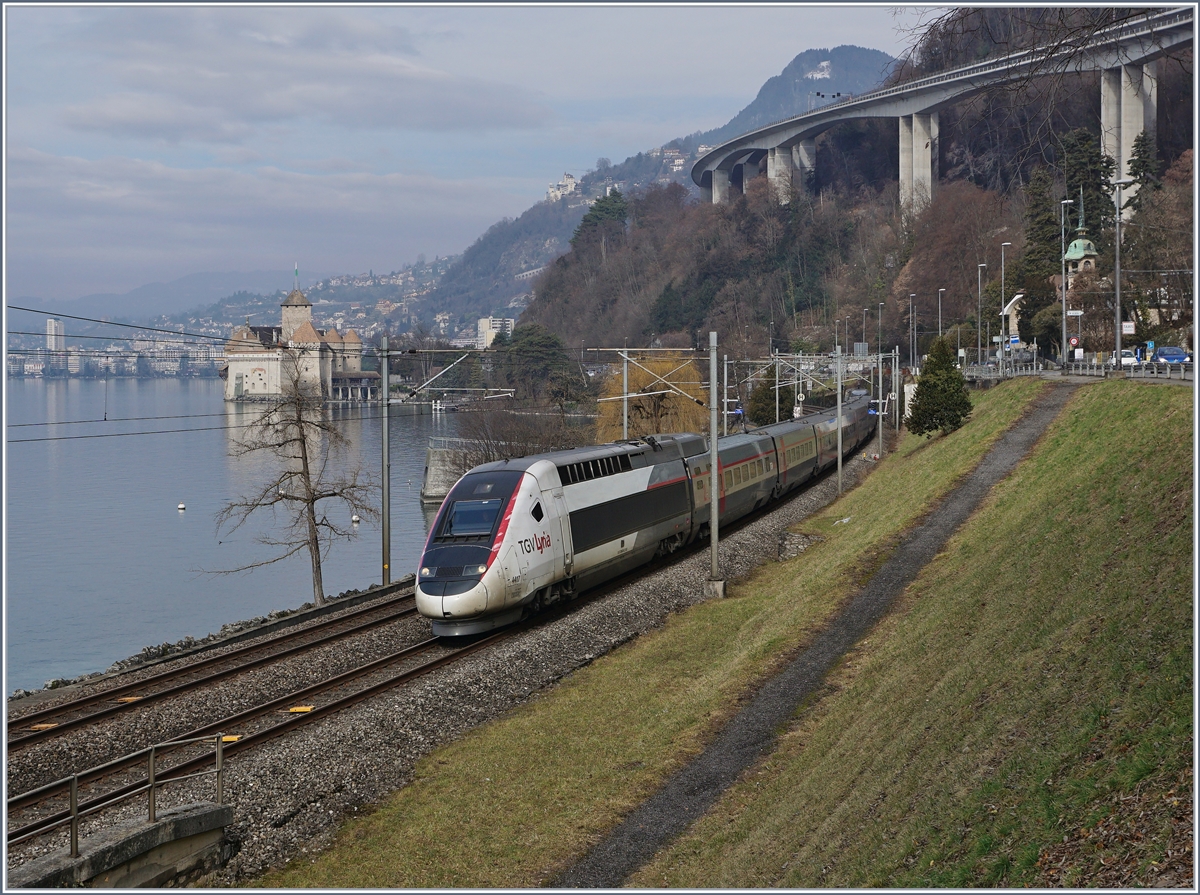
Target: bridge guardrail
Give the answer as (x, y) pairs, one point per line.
(1147, 25)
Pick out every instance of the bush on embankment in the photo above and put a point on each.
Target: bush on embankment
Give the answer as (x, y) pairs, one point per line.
(515, 802)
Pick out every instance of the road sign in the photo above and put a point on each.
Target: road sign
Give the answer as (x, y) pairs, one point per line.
(1013, 340)
(1074, 341)
(1074, 313)
(994, 339)
(1127, 327)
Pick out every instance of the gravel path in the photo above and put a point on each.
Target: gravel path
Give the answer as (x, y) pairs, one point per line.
(290, 796)
(751, 734)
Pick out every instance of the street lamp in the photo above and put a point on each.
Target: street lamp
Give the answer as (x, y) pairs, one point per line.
(864, 325)
(912, 329)
(1003, 316)
(940, 291)
(1062, 223)
(979, 320)
(1117, 275)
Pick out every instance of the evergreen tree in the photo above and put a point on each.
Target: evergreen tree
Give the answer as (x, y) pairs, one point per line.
(941, 401)
(1042, 258)
(761, 409)
(1085, 166)
(604, 221)
(1144, 168)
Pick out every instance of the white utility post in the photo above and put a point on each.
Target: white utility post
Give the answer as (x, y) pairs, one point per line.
(387, 470)
(1003, 316)
(839, 417)
(1118, 369)
(1062, 224)
(716, 586)
(625, 393)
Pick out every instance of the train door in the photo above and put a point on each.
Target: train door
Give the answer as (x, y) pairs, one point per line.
(564, 521)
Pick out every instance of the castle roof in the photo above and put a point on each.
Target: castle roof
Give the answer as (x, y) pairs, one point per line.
(305, 334)
(331, 335)
(351, 336)
(244, 338)
(296, 299)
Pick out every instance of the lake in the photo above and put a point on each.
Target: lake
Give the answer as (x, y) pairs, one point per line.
(99, 562)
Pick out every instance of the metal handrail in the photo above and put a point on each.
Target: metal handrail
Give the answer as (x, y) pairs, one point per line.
(150, 786)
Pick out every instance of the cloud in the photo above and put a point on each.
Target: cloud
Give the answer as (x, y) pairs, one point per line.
(79, 225)
(217, 75)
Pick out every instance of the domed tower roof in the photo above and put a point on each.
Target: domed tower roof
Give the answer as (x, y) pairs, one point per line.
(296, 299)
(1081, 247)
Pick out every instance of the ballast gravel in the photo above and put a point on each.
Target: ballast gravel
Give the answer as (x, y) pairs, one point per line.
(290, 795)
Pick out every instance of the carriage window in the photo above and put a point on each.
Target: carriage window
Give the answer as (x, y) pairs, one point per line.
(760, 467)
(728, 479)
(536, 512)
(737, 476)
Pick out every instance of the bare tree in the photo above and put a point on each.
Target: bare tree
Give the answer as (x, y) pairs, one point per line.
(493, 435)
(307, 450)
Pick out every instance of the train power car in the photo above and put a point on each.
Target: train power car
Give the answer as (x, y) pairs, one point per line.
(515, 535)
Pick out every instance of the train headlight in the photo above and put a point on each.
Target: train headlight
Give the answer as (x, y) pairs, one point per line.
(475, 570)
(426, 572)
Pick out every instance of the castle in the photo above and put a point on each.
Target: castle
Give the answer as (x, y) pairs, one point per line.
(332, 362)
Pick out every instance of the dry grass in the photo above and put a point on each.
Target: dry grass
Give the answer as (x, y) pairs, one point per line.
(1035, 685)
(515, 802)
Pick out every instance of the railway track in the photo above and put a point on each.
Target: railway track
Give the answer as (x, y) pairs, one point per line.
(54, 721)
(244, 731)
(39, 809)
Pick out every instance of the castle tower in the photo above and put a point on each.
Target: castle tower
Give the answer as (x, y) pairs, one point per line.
(297, 310)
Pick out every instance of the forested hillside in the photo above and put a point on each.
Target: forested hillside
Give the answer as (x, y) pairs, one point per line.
(821, 264)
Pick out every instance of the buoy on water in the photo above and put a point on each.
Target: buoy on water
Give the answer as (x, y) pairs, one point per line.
(355, 519)
(182, 508)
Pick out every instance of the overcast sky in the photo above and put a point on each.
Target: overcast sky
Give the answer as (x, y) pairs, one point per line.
(147, 143)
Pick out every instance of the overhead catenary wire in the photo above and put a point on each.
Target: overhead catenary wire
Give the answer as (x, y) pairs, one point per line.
(152, 329)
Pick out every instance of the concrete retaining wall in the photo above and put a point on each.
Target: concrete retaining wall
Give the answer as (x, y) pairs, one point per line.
(181, 845)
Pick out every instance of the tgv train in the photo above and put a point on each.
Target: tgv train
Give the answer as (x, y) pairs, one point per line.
(515, 535)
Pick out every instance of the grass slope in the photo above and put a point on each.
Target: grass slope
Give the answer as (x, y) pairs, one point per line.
(516, 801)
(1035, 689)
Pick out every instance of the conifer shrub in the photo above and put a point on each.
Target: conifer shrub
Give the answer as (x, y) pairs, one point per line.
(941, 401)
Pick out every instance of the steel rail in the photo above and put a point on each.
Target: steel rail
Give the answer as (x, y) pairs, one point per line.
(248, 741)
(19, 725)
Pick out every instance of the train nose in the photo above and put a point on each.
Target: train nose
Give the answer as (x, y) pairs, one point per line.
(451, 599)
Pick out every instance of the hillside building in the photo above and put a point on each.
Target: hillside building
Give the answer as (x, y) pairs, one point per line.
(564, 187)
(490, 327)
(254, 357)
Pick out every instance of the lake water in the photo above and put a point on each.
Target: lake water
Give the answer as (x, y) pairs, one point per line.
(99, 562)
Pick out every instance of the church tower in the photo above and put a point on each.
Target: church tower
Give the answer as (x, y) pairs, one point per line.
(1081, 253)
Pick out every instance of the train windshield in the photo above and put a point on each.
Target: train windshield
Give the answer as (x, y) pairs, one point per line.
(471, 518)
(475, 504)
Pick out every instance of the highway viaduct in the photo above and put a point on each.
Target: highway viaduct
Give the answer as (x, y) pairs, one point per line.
(1125, 55)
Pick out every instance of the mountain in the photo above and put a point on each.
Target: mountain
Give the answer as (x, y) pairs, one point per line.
(482, 282)
(188, 292)
(847, 70)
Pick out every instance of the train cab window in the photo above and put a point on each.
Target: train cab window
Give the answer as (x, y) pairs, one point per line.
(536, 512)
(471, 518)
